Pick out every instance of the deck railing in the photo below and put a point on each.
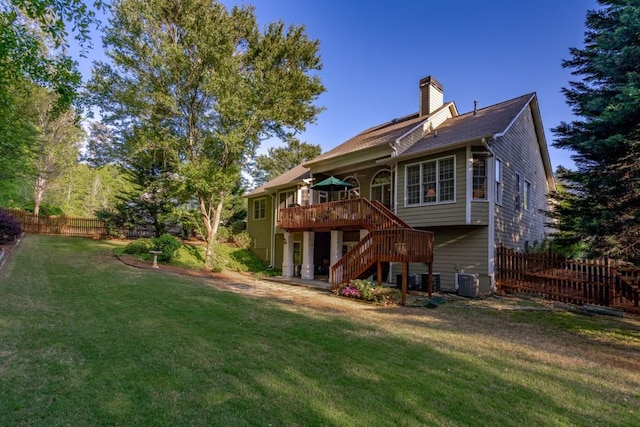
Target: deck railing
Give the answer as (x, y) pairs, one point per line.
(353, 213)
(393, 245)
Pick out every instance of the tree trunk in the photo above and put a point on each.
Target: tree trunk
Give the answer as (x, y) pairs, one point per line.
(38, 194)
(211, 225)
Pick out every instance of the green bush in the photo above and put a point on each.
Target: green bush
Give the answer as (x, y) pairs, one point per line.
(242, 240)
(140, 246)
(168, 245)
(238, 226)
(223, 235)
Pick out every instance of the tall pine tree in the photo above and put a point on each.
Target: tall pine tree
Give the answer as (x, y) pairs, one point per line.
(601, 204)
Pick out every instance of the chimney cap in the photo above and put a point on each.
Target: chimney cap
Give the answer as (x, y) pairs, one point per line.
(431, 80)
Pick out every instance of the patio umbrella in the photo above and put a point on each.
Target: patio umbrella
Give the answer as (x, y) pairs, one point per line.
(332, 184)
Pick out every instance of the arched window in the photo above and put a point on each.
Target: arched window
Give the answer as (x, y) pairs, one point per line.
(352, 193)
(381, 187)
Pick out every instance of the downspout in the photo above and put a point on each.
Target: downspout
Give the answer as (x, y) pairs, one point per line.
(394, 171)
(491, 191)
(272, 255)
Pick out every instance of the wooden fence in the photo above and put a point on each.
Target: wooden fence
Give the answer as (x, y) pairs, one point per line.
(78, 227)
(58, 225)
(600, 281)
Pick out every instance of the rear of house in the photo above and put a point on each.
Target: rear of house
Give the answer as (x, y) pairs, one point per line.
(475, 180)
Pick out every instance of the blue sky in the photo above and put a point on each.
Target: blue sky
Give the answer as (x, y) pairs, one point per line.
(375, 52)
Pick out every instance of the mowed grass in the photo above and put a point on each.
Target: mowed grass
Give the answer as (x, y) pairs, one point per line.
(86, 340)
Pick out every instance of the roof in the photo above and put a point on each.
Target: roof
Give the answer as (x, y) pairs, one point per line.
(292, 175)
(377, 135)
(487, 121)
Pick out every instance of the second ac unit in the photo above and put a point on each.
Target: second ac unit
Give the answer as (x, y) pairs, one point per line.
(468, 285)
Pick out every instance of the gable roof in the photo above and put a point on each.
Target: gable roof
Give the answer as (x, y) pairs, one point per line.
(298, 173)
(487, 121)
(491, 121)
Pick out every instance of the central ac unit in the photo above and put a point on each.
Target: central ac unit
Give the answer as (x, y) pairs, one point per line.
(468, 285)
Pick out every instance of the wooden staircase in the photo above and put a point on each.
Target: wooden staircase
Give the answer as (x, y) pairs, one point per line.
(392, 245)
(390, 239)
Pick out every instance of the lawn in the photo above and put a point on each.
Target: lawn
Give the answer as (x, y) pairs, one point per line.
(86, 340)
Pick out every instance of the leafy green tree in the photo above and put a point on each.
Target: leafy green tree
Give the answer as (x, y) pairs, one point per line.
(601, 206)
(17, 131)
(278, 160)
(34, 43)
(56, 146)
(209, 85)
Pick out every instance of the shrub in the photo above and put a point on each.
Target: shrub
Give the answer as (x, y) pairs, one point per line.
(168, 245)
(238, 226)
(140, 246)
(242, 240)
(9, 227)
(223, 235)
(367, 291)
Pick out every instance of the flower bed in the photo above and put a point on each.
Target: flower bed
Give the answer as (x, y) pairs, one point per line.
(367, 291)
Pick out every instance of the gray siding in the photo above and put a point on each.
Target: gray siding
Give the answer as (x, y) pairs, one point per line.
(436, 214)
(519, 152)
(460, 249)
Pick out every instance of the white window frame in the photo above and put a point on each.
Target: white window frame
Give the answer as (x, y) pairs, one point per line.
(438, 181)
(352, 193)
(499, 182)
(372, 185)
(485, 158)
(263, 202)
(286, 192)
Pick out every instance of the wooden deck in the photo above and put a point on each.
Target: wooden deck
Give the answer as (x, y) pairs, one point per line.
(354, 214)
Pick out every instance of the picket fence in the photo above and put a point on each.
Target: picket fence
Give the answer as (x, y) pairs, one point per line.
(62, 225)
(601, 281)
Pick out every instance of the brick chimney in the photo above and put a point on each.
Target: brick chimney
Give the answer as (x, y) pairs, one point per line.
(431, 95)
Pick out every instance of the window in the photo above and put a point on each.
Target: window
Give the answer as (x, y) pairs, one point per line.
(498, 182)
(479, 176)
(260, 209)
(287, 198)
(527, 195)
(323, 197)
(353, 192)
(431, 182)
(381, 187)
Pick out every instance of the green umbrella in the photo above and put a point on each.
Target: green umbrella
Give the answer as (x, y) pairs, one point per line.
(332, 184)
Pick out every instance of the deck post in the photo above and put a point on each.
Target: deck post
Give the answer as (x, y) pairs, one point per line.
(308, 238)
(287, 255)
(335, 249)
(379, 273)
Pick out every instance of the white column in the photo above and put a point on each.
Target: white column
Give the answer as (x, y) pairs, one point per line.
(287, 255)
(308, 238)
(335, 249)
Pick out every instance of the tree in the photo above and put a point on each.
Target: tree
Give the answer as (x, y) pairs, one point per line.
(34, 43)
(56, 146)
(278, 160)
(208, 85)
(601, 206)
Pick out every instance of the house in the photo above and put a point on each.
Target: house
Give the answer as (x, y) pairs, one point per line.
(473, 181)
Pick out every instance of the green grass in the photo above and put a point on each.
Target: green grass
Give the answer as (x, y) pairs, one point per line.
(227, 257)
(86, 340)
